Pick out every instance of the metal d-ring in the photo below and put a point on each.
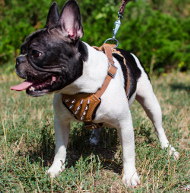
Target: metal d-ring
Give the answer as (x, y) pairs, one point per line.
(113, 39)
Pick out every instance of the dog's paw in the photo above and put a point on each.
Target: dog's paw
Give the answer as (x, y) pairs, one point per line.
(131, 181)
(55, 169)
(173, 152)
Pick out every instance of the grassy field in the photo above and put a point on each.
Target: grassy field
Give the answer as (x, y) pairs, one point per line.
(27, 145)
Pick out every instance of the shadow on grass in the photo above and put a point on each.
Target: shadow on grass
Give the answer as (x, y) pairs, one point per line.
(180, 86)
(108, 149)
(79, 146)
(43, 151)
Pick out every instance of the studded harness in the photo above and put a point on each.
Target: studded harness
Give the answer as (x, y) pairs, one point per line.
(83, 106)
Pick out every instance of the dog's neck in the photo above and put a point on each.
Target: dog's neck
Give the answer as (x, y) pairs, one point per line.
(94, 73)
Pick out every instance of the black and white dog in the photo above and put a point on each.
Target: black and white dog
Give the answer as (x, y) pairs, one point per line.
(54, 60)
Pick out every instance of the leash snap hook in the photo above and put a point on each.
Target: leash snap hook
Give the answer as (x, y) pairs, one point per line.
(117, 25)
(115, 30)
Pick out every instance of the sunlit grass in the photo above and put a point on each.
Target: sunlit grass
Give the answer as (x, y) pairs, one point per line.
(27, 144)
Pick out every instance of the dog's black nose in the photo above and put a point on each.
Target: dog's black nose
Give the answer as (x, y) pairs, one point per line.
(19, 60)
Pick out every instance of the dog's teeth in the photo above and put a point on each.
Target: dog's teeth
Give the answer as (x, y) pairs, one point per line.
(53, 78)
(32, 88)
(52, 83)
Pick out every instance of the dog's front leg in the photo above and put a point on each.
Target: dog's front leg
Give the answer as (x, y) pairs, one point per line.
(126, 135)
(61, 140)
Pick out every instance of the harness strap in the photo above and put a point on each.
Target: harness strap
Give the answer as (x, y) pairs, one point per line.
(112, 69)
(109, 55)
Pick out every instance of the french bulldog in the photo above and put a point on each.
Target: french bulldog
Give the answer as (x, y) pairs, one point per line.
(55, 60)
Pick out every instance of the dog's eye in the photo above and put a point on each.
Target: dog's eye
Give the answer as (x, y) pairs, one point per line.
(36, 54)
(23, 51)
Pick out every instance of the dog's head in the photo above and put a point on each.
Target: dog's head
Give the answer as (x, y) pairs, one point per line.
(52, 58)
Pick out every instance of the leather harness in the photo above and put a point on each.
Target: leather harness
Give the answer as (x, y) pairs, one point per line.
(84, 105)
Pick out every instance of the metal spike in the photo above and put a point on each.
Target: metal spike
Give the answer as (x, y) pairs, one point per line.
(71, 106)
(88, 102)
(73, 101)
(84, 113)
(78, 108)
(81, 102)
(67, 100)
(76, 112)
(82, 118)
(86, 108)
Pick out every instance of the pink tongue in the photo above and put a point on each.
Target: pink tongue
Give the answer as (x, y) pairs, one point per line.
(22, 86)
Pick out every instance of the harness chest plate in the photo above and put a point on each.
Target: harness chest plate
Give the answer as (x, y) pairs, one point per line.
(81, 105)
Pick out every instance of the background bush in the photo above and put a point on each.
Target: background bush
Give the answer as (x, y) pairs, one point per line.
(157, 31)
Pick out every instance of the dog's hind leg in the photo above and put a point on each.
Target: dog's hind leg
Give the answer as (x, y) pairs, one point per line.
(146, 97)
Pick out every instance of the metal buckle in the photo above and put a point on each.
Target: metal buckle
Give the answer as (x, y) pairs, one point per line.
(112, 75)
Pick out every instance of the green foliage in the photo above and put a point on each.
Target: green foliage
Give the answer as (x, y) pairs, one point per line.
(157, 31)
(157, 38)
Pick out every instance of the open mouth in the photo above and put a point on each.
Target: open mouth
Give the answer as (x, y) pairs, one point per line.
(37, 88)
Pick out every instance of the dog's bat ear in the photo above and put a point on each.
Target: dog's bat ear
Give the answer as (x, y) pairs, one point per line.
(70, 20)
(53, 16)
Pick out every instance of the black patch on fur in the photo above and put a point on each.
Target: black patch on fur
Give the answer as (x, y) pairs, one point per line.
(83, 51)
(123, 67)
(132, 63)
(132, 79)
(134, 71)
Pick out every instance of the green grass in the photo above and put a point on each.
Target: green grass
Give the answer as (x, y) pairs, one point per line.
(27, 145)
